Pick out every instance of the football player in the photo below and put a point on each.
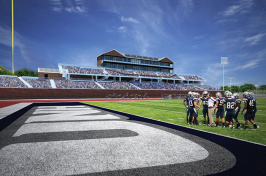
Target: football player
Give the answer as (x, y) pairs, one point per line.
(251, 107)
(245, 96)
(191, 108)
(185, 103)
(196, 107)
(230, 108)
(238, 107)
(220, 109)
(204, 101)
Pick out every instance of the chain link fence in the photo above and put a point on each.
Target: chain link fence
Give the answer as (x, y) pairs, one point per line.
(257, 93)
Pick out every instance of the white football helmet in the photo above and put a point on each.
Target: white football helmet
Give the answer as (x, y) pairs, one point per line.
(251, 94)
(245, 94)
(204, 94)
(196, 95)
(218, 94)
(190, 94)
(236, 95)
(228, 94)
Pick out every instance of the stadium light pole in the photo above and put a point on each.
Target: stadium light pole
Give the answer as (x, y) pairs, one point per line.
(231, 78)
(224, 60)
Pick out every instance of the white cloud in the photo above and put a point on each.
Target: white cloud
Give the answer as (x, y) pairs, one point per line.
(249, 65)
(21, 43)
(242, 7)
(122, 28)
(255, 39)
(130, 19)
(70, 6)
(109, 6)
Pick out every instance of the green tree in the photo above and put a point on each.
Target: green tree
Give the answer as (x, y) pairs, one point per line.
(262, 87)
(235, 89)
(225, 88)
(2, 72)
(26, 72)
(246, 87)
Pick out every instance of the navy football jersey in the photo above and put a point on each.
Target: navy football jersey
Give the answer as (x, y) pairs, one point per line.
(220, 101)
(204, 102)
(238, 103)
(251, 103)
(229, 105)
(191, 102)
(245, 100)
(186, 100)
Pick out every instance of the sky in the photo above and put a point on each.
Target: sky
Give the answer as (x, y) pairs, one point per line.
(194, 34)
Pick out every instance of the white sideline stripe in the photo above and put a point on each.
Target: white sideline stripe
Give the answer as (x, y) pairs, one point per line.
(194, 129)
(6, 111)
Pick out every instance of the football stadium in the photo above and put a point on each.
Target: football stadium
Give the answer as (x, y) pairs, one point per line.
(125, 117)
(117, 76)
(130, 114)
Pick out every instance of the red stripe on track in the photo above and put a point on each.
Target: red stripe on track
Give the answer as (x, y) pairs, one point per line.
(5, 103)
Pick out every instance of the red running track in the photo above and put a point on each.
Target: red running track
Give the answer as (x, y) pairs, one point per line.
(5, 103)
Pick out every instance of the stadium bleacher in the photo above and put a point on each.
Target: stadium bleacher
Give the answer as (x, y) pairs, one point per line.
(67, 84)
(11, 81)
(117, 85)
(168, 75)
(146, 74)
(120, 72)
(38, 83)
(192, 77)
(73, 69)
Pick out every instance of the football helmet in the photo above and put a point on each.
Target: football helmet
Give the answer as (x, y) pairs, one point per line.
(236, 95)
(204, 94)
(190, 94)
(218, 94)
(228, 94)
(225, 92)
(251, 94)
(245, 94)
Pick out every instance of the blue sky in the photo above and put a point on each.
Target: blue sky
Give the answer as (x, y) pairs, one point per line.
(195, 34)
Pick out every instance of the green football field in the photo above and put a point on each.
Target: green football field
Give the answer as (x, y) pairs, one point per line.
(173, 111)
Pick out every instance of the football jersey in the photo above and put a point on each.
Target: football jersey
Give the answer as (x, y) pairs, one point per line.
(191, 102)
(229, 105)
(238, 102)
(245, 100)
(251, 103)
(204, 102)
(186, 100)
(196, 100)
(220, 101)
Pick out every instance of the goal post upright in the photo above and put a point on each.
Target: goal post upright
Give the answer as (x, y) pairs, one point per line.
(13, 70)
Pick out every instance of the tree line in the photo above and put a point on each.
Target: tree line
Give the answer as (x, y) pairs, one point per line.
(22, 72)
(243, 88)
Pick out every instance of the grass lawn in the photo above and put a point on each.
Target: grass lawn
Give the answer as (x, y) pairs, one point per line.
(173, 111)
